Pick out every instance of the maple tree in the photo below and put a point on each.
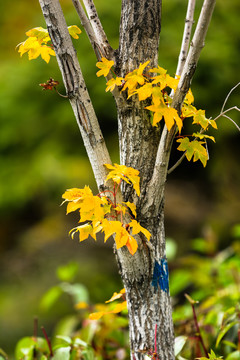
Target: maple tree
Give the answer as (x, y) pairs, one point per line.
(152, 108)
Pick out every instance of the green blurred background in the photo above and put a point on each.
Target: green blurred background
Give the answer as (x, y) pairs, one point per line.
(41, 155)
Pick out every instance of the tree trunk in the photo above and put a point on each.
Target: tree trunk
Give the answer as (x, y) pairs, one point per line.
(149, 306)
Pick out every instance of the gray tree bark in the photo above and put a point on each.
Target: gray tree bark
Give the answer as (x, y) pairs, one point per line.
(142, 147)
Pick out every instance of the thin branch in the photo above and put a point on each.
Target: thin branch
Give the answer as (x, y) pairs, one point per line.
(186, 36)
(97, 27)
(227, 97)
(177, 163)
(88, 28)
(228, 117)
(196, 47)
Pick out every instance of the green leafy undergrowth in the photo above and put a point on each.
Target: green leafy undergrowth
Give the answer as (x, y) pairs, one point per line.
(207, 318)
(210, 318)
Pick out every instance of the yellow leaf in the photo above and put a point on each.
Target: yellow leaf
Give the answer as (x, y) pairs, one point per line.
(137, 228)
(144, 91)
(76, 194)
(132, 207)
(40, 33)
(96, 315)
(85, 231)
(46, 53)
(193, 149)
(134, 78)
(104, 66)
(132, 245)
(121, 172)
(121, 237)
(110, 228)
(116, 296)
(120, 307)
(74, 31)
(200, 118)
(189, 99)
(114, 82)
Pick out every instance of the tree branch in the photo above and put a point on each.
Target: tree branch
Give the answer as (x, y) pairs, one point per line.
(100, 36)
(88, 28)
(76, 89)
(186, 36)
(157, 182)
(196, 47)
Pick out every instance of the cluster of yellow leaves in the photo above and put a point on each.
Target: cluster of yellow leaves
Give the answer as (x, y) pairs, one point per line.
(37, 43)
(99, 213)
(104, 310)
(155, 84)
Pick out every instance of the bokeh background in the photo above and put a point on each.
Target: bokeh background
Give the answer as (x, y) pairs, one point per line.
(41, 155)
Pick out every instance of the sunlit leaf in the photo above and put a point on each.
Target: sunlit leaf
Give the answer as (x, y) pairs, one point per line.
(137, 228)
(200, 118)
(114, 82)
(180, 341)
(116, 296)
(121, 172)
(224, 331)
(193, 149)
(74, 31)
(104, 66)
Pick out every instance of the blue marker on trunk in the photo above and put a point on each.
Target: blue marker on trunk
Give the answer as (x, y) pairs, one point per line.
(160, 275)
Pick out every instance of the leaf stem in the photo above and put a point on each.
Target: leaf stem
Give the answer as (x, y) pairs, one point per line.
(48, 341)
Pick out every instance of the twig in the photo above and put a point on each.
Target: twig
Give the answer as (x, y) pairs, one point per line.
(177, 163)
(48, 341)
(227, 97)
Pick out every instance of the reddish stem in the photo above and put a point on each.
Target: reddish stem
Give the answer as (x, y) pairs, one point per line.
(199, 335)
(48, 341)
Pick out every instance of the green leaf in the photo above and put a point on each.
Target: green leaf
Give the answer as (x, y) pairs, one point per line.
(224, 331)
(180, 341)
(67, 272)
(50, 298)
(25, 347)
(234, 355)
(62, 353)
(77, 291)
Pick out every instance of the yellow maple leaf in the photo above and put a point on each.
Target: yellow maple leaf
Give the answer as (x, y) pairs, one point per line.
(104, 66)
(137, 228)
(74, 31)
(76, 194)
(84, 232)
(144, 91)
(160, 110)
(193, 149)
(125, 173)
(114, 82)
(200, 118)
(134, 78)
